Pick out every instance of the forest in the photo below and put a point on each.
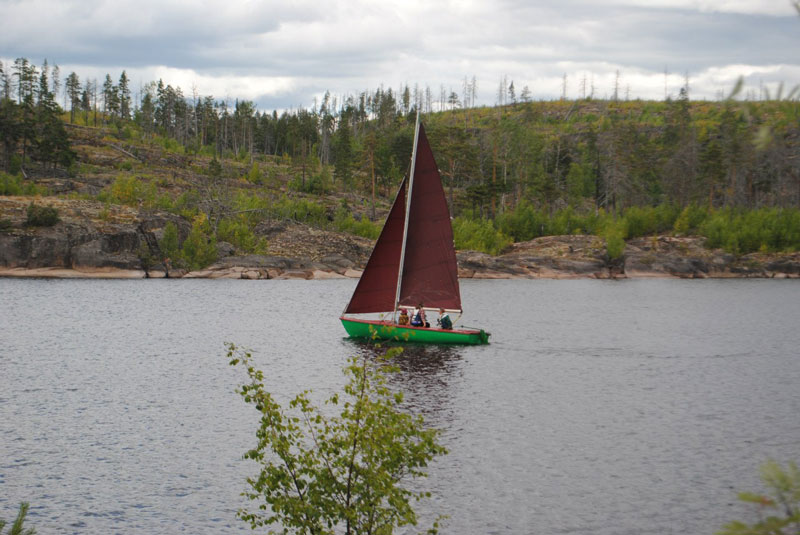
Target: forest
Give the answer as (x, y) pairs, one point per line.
(728, 169)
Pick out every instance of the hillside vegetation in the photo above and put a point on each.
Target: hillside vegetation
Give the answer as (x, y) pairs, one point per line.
(729, 170)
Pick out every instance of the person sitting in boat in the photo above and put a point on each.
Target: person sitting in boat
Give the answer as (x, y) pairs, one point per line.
(418, 319)
(444, 320)
(403, 319)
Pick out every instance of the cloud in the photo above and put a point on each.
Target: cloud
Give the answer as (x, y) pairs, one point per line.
(280, 52)
(748, 7)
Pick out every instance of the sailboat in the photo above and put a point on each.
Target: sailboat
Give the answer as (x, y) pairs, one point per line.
(413, 262)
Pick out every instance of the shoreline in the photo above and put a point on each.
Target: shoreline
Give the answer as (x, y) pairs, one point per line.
(249, 273)
(125, 244)
(117, 255)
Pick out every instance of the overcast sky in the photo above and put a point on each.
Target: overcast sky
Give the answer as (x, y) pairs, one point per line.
(285, 54)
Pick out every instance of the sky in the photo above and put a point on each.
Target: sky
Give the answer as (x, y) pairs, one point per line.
(287, 54)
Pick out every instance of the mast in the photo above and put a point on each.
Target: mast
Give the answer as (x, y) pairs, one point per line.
(408, 211)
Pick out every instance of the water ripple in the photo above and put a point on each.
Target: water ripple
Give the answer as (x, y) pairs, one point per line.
(603, 408)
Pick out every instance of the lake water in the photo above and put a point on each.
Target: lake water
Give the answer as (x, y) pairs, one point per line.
(600, 407)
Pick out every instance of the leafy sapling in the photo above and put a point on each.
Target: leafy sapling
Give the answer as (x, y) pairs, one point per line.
(343, 473)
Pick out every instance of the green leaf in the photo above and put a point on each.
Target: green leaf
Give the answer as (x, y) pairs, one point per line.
(320, 472)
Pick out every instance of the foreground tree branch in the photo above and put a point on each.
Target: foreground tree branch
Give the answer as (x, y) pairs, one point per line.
(320, 472)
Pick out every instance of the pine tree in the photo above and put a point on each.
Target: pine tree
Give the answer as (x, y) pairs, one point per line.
(124, 97)
(21, 67)
(5, 82)
(27, 125)
(44, 86)
(86, 101)
(406, 99)
(110, 98)
(343, 151)
(52, 142)
(146, 114)
(55, 82)
(73, 88)
(9, 129)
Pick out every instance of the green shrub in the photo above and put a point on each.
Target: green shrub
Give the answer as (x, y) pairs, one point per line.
(742, 232)
(614, 235)
(568, 222)
(186, 204)
(130, 131)
(254, 175)
(191, 146)
(215, 169)
(665, 217)
(580, 182)
(638, 222)
(648, 220)
(164, 202)
(346, 467)
(15, 164)
(16, 185)
(41, 216)
(145, 256)
(208, 150)
(169, 243)
(316, 183)
(17, 526)
(690, 219)
(5, 224)
(237, 232)
(169, 144)
(479, 235)
(252, 207)
(526, 222)
(344, 221)
(200, 247)
(272, 175)
(523, 223)
(130, 190)
(300, 210)
(10, 184)
(779, 511)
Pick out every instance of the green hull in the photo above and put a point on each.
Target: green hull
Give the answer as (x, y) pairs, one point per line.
(384, 330)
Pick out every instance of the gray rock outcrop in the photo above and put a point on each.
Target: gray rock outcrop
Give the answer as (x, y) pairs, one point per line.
(95, 240)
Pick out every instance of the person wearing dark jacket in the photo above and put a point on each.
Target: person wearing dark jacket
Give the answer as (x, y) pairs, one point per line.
(444, 320)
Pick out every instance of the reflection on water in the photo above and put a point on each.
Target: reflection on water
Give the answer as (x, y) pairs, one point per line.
(423, 372)
(434, 361)
(414, 359)
(602, 408)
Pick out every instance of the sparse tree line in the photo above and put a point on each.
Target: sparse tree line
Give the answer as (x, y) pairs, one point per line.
(499, 163)
(609, 154)
(31, 125)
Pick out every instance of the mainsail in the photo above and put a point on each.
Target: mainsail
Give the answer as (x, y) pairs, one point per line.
(430, 273)
(429, 270)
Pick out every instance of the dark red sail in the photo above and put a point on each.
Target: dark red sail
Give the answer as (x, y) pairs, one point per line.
(377, 288)
(430, 273)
